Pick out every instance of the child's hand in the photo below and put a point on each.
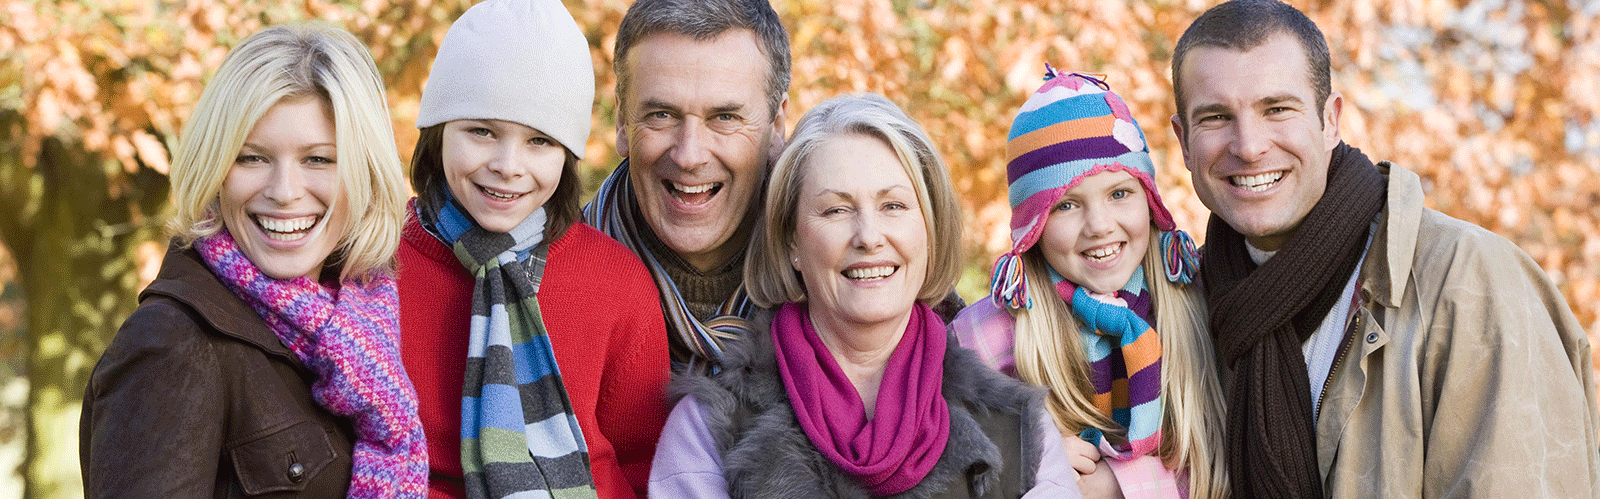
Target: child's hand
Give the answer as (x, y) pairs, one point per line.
(1095, 479)
(1102, 484)
(1083, 454)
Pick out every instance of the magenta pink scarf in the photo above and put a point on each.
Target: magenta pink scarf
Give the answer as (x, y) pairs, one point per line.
(349, 337)
(897, 448)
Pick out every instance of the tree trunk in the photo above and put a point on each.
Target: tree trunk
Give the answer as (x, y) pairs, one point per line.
(76, 220)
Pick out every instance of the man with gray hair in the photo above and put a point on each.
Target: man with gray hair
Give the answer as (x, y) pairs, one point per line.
(1369, 346)
(701, 91)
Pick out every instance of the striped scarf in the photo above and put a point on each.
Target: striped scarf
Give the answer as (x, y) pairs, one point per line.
(518, 430)
(1124, 355)
(350, 338)
(695, 344)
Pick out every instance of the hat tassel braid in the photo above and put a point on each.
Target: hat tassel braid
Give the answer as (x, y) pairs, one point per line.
(1008, 288)
(1181, 258)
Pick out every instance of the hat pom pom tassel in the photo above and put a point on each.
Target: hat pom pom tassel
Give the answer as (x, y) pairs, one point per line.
(1181, 258)
(1008, 288)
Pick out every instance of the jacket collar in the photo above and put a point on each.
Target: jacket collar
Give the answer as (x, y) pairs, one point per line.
(185, 278)
(1394, 246)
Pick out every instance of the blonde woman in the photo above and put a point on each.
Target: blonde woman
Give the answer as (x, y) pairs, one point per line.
(264, 358)
(1092, 301)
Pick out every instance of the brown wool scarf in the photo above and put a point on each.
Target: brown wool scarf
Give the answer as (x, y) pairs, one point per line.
(1261, 316)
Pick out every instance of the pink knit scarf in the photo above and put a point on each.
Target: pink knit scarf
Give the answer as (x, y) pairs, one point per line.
(894, 450)
(350, 338)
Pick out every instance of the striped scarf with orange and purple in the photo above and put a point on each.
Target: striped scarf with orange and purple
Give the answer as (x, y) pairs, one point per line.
(1124, 355)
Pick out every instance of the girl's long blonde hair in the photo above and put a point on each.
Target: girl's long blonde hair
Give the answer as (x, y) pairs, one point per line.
(1049, 353)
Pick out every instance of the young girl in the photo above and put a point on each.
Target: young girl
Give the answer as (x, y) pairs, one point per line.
(1093, 302)
(536, 343)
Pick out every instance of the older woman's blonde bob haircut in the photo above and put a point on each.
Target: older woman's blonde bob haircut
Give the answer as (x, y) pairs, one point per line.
(286, 62)
(767, 273)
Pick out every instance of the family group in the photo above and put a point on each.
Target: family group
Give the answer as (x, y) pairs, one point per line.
(743, 310)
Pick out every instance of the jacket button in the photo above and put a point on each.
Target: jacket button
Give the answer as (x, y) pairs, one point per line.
(1372, 337)
(297, 473)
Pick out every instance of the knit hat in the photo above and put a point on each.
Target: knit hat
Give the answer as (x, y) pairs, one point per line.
(1071, 128)
(523, 61)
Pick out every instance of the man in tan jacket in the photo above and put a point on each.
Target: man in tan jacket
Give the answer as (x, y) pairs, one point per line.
(1370, 347)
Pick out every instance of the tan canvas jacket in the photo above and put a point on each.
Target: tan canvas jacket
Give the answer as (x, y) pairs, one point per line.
(1466, 374)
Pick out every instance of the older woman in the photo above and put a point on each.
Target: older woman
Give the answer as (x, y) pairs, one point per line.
(288, 198)
(856, 390)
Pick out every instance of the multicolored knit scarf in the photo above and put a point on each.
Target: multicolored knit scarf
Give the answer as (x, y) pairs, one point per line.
(1124, 355)
(518, 429)
(696, 344)
(350, 338)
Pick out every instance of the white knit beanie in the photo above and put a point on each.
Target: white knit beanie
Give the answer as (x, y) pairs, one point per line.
(523, 61)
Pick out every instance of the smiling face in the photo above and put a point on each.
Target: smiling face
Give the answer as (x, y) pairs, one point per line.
(500, 171)
(860, 242)
(1097, 234)
(699, 139)
(1254, 141)
(281, 199)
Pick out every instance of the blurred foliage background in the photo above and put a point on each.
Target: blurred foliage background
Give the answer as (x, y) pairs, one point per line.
(1493, 102)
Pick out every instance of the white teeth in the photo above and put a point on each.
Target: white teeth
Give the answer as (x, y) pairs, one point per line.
(1103, 252)
(285, 229)
(1256, 183)
(286, 225)
(498, 194)
(693, 189)
(870, 273)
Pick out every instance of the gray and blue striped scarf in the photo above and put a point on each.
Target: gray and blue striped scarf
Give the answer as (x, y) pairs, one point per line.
(695, 344)
(518, 430)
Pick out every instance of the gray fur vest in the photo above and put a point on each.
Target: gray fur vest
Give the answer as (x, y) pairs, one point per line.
(993, 450)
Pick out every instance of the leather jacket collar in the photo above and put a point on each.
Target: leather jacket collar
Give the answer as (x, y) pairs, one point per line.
(186, 278)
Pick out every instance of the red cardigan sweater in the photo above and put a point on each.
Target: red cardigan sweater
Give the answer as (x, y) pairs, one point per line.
(603, 315)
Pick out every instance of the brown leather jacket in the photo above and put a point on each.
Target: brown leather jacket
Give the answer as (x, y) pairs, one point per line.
(196, 398)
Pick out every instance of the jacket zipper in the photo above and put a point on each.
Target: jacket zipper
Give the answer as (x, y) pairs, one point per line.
(1344, 349)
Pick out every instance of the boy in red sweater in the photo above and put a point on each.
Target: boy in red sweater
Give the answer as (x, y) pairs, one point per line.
(523, 328)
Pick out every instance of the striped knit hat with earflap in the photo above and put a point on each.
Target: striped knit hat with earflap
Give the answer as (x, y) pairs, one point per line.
(1073, 127)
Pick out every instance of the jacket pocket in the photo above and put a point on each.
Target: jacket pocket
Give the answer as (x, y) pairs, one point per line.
(282, 461)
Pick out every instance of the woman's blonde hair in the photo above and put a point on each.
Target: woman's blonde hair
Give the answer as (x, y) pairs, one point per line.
(767, 273)
(1049, 353)
(285, 62)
